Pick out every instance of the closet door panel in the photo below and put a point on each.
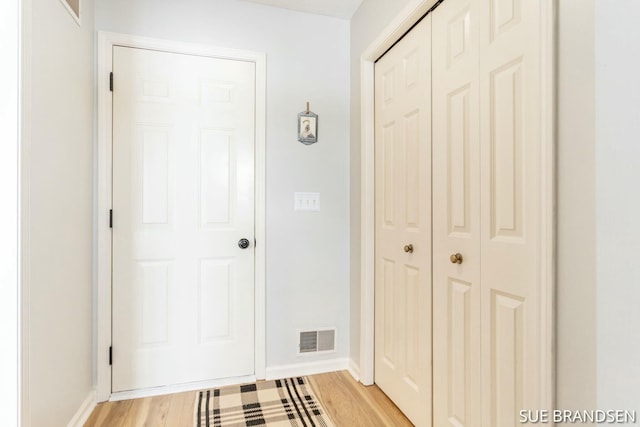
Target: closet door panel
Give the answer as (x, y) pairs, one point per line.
(511, 167)
(456, 214)
(403, 218)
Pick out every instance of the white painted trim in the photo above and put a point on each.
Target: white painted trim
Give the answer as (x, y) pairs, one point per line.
(276, 372)
(26, 32)
(84, 411)
(354, 369)
(367, 224)
(106, 41)
(260, 263)
(394, 31)
(180, 388)
(548, 197)
(77, 18)
(103, 250)
(402, 23)
(308, 368)
(405, 19)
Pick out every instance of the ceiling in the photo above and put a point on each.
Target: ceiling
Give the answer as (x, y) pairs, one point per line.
(338, 8)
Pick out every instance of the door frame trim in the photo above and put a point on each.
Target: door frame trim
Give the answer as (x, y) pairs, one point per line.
(102, 277)
(402, 23)
(407, 17)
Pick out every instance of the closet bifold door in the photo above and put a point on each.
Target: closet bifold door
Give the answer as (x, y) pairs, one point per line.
(456, 215)
(511, 171)
(403, 224)
(486, 212)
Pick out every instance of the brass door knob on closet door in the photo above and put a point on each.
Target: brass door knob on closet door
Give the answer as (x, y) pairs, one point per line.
(408, 248)
(456, 258)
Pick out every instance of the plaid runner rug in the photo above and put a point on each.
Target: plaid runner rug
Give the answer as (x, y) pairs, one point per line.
(279, 403)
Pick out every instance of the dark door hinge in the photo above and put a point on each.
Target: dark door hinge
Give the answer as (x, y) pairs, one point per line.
(110, 218)
(111, 81)
(110, 356)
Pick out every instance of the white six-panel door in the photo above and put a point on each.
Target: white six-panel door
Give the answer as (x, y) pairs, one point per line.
(456, 214)
(510, 140)
(403, 218)
(183, 191)
(486, 168)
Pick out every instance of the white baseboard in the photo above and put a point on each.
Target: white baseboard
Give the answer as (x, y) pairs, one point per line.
(179, 388)
(85, 410)
(274, 372)
(354, 370)
(307, 368)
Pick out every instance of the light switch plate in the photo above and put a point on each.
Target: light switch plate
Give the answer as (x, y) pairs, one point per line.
(307, 202)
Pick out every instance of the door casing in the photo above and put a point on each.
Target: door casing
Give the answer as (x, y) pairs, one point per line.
(106, 42)
(404, 21)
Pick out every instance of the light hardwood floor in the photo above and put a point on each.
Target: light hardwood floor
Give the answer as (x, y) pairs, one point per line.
(349, 404)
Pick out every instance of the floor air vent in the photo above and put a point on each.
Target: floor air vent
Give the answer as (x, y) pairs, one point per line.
(317, 341)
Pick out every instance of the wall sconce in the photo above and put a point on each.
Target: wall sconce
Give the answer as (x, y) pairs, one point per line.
(307, 127)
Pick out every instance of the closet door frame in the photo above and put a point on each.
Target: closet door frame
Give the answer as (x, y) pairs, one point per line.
(413, 12)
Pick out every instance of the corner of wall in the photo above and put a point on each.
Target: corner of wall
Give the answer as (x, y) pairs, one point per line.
(84, 411)
(617, 205)
(10, 50)
(57, 220)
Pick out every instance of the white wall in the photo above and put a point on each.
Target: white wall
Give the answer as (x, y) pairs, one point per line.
(9, 49)
(617, 125)
(59, 208)
(366, 25)
(307, 60)
(576, 239)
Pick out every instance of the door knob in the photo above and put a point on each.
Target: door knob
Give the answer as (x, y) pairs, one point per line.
(408, 248)
(456, 258)
(243, 243)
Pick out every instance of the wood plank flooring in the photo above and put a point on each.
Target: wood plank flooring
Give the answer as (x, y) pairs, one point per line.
(349, 404)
